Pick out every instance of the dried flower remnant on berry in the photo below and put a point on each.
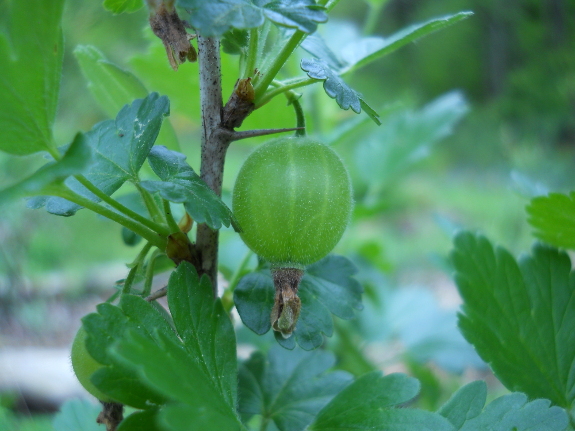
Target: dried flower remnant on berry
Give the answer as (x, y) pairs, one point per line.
(287, 304)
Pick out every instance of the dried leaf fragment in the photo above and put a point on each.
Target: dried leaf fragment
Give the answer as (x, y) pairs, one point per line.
(167, 25)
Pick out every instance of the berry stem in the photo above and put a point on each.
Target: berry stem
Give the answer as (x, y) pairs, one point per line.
(299, 114)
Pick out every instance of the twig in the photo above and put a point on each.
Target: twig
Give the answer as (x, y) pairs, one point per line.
(157, 294)
(214, 147)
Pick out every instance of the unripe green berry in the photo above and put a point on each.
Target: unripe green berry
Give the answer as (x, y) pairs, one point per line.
(84, 365)
(293, 200)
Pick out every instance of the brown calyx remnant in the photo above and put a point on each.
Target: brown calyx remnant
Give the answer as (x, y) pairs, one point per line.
(167, 25)
(287, 304)
(240, 104)
(245, 90)
(111, 415)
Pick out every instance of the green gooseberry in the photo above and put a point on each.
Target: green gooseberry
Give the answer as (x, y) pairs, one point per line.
(293, 201)
(84, 365)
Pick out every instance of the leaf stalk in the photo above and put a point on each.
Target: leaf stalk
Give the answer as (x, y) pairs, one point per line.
(146, 233)
(151, 205)
(283, 88)
(123, 209)
(149, 277)
(293, 99)
(129, 282)
(172, 224)
(252, 56)
(267, 76)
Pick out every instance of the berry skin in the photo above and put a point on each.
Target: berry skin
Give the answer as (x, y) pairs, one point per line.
(293, 201)
(84, 365)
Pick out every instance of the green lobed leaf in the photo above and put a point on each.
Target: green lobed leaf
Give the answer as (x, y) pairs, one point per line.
(553, 218)
(111, 322)
(327, 287)
(431, 384)
(466, 403)
(336, 88)
(465, 410)
(217, 17)
(77, 415)
(179, 183)
(120, 6)
(520, 315)
(254, 299)
(332, 280)
(286, 343)
(235, 41)
(50, 177)
(113, 87)
(405, 138)
(214, 18)
(179, 417)
(109, 325)
(154, 70)
(119, 148)
(288, 388)
(135, 202)
(148, 364)
(366, 50)
(165, 365)
(31, 55)
(316, 46)
(205, 329)
(197, 373)
(368, 404)
(124, 385)
(301, 14)
(146, 420)
(514, 412)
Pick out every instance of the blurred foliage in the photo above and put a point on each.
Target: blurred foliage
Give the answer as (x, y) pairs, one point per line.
(513, 60)
(11, 422)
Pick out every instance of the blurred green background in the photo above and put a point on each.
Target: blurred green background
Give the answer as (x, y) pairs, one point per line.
(507, 133)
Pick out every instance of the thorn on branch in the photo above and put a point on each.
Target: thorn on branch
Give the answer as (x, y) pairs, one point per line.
(236, 136)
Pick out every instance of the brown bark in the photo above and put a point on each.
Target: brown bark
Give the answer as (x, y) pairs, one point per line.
(214, 147)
